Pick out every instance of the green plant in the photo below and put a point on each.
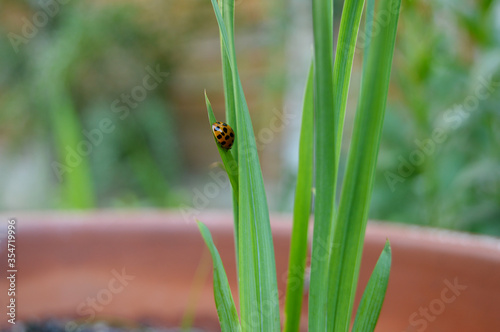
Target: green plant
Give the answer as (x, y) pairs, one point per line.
(338, 231)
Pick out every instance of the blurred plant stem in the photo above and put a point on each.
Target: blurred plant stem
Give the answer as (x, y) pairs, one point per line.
(76, 183)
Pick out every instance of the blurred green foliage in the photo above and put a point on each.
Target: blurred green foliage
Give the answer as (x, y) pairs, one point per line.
(439, 163)
(74, 83)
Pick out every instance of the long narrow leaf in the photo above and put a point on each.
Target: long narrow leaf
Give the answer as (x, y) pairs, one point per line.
(325, 125)
(257, 272)
(227, 10)
(76, 184)
(228, 160)
(228, 316)
(301, 213)
(346, 45)
(374, 294)
(358, 184)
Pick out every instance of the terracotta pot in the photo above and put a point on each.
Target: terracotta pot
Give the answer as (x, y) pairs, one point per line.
(151, 266)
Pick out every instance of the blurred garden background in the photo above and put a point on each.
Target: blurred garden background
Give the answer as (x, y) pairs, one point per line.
(102, 106)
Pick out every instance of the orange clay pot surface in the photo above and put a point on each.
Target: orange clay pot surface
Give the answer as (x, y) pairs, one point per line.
(153, 267)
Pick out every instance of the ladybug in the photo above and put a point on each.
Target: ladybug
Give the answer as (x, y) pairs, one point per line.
(224, 134)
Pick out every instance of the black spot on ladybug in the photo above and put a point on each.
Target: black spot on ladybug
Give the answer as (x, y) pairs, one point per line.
(217, 128)
(225, 129)
(231, 134)
(219, 136)
(227, 137)
(223, 143)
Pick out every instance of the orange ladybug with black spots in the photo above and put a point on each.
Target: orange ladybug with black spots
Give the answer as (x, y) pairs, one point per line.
(224, 134)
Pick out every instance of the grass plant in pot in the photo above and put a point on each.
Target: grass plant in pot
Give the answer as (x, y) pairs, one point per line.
(338, 234)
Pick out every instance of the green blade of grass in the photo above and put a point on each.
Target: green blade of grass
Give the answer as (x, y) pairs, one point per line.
(52, 91)
(346, 46)
(325, 166)
(358, 184)
(257, 269)
(196, 291)
(256, 266)
(76, 182)
(228, 160)
(227, 10)
(228, 316)
(374, 294)
(301, 213)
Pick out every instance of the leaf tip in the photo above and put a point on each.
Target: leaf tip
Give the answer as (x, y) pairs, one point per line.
(200, 224)
(387, 246)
